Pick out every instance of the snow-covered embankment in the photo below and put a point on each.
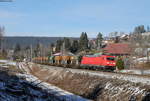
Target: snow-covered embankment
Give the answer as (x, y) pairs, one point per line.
(96, 85)
(60, 94)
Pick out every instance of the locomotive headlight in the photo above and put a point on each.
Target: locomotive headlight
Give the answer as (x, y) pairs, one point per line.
(108, 62)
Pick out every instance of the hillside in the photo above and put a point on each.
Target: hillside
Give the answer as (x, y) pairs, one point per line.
(10, 42)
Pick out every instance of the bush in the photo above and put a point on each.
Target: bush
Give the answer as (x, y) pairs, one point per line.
(80, 58)
(120, 64)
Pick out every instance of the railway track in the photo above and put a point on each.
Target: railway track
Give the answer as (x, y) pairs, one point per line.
(92, 70)
(144, 79)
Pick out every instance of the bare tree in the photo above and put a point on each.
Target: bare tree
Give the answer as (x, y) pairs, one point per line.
(140, 45)
(2, 31)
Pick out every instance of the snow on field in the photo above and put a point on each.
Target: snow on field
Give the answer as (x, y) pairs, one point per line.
(57, 92)
(107, 85)
(8, 62)
(19, 90)
(141, 72)
(143, 59)
(120, 89)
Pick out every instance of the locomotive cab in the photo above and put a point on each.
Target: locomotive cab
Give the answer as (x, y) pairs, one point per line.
(110, 61)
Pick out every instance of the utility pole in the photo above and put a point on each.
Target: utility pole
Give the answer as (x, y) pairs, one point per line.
(41, 51)
(63, 48)
(2, 31)
(147, 55)
(98, 45)
(31, 52)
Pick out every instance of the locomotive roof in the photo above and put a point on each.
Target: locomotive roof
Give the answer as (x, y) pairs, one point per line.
(99, 56)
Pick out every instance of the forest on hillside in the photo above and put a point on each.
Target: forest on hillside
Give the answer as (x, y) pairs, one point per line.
(11, 42)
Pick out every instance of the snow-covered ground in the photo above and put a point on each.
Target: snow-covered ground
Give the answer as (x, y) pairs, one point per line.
(136, 71)
(62, 95)
(8, 62)
(18, 90)
(14, 89)
(103, 85)
(57, 93)
(143, 59)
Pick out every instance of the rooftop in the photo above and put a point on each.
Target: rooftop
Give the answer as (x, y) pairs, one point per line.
(118, 48)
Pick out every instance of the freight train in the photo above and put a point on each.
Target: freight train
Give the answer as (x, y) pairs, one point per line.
(101, 62)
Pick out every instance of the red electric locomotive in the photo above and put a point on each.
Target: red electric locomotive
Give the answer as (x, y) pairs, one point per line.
(105, 62)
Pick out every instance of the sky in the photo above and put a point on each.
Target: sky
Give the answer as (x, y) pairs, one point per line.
(68, 18)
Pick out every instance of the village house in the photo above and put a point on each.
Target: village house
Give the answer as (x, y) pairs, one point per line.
(118, 49)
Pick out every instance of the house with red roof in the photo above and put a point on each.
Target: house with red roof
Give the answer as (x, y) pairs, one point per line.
(118, 49)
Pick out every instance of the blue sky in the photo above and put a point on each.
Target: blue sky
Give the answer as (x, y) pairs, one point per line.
(71, 17)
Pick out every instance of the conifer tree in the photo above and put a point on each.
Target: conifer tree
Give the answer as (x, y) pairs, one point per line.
(67, 43)
(99, 40)
(17, 48)
(83, 41)
(75, 46)
(58, 45)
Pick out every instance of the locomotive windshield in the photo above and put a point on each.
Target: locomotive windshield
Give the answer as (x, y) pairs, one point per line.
(111, 58)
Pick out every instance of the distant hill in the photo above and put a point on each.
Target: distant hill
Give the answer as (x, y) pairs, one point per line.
(10, 42)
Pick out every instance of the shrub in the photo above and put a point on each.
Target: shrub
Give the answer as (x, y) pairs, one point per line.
(120, 64)
(80, 58)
